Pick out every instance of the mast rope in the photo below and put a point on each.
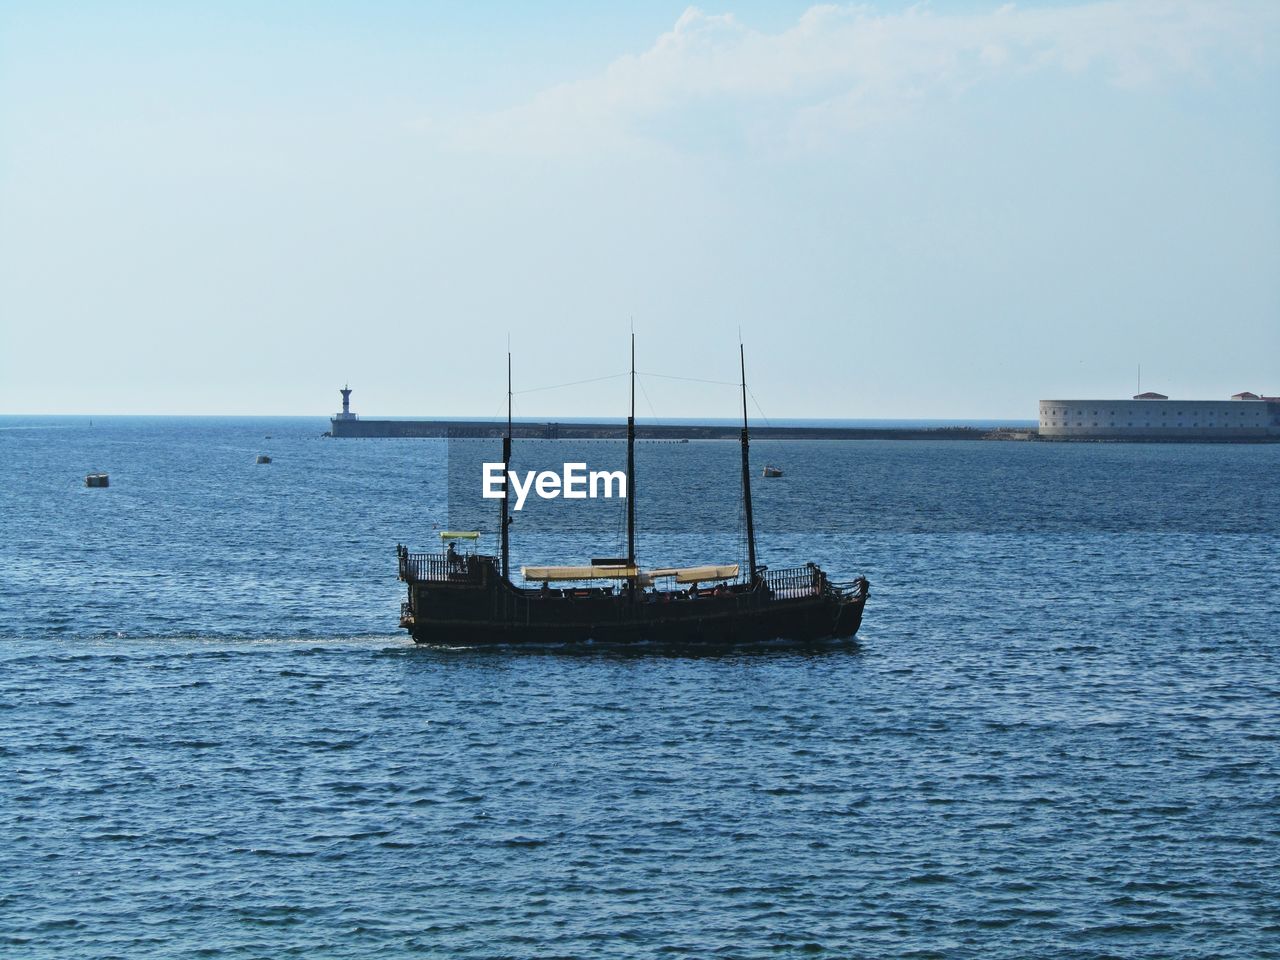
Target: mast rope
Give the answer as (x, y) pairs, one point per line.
(646, 398)
(667, 376)
(758, 407)
(572, 383)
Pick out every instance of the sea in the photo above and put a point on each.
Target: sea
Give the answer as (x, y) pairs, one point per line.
(1057, 734)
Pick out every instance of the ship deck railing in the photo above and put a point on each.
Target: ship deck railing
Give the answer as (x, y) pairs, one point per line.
(794, 582)
(790, 583)
(440, 568)
(848, 589)
(809, 581)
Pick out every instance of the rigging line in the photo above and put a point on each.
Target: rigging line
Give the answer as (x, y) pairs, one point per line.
(647, 400)
(667, 376)
(758, 407)
(572, 383)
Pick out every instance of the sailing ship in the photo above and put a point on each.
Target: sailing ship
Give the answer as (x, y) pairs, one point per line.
(463, 600)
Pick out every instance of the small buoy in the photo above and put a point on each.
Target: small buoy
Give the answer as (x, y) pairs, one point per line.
(263, 458)
(97, 480)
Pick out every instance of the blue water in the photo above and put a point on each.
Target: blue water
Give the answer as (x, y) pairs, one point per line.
(1058, 736)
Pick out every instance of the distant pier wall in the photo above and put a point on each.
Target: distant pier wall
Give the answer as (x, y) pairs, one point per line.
(453, 429)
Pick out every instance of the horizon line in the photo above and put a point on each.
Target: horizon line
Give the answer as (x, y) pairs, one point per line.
(469, 418)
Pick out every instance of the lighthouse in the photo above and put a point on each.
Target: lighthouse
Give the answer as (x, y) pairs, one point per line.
(346, 413)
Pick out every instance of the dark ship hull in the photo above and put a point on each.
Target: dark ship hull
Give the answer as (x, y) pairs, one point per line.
(465, 601)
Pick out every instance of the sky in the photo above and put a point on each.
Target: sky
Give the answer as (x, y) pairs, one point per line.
(908, 210)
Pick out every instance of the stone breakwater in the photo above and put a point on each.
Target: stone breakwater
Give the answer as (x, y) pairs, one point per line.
(460, 429)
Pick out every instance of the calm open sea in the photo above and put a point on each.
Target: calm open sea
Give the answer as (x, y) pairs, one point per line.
(1058, 735)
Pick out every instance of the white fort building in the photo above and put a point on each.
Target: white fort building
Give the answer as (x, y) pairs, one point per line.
(1153, 416)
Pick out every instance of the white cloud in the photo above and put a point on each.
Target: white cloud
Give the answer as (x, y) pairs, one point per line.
(841, 68)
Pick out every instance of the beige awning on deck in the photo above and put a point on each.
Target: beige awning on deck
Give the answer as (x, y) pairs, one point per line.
(546, 574)
(681, 574)
(696, 574)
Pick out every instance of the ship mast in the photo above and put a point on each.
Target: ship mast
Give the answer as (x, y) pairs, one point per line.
(746, 472)
(505, 522)
(631, 465)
